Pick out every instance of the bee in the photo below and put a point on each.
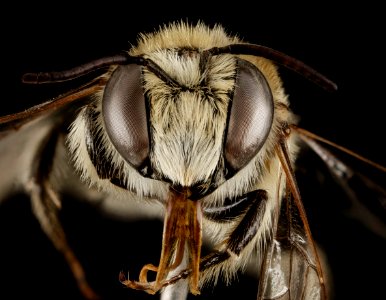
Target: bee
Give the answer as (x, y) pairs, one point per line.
(193, 126)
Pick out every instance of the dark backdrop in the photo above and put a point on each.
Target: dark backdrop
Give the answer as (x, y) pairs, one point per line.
(344, 44)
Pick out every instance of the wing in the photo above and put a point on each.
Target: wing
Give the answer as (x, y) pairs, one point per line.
(366, 193)
(291, 268)
(31, 145)
(25, 135)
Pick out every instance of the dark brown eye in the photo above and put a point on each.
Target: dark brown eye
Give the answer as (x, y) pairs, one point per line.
(124, 112)
(250, 117)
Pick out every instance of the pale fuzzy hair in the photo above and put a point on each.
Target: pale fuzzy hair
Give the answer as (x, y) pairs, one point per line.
(181, 34)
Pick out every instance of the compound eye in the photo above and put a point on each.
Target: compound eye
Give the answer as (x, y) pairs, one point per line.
(251, 116)
(124, 112)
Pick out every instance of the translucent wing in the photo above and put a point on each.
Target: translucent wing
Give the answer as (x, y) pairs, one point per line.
(24, 135)
(367, 194)
(291, 268)
(31, 144)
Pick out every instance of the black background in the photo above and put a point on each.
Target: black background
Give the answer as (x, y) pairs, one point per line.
(342, 43)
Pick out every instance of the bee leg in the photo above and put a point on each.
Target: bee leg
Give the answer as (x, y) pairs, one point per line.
(45, 204)
(253, 205)
(233, 208)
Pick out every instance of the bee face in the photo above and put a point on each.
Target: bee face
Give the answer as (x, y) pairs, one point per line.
(193, 130)
(190, 124)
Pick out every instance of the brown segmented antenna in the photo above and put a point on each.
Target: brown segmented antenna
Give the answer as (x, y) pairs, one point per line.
(279, 58)
(51, 77)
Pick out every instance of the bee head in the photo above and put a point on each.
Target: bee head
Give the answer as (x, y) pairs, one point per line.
(190, 119)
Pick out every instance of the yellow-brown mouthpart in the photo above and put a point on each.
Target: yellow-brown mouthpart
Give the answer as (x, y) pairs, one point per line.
(182, 230)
